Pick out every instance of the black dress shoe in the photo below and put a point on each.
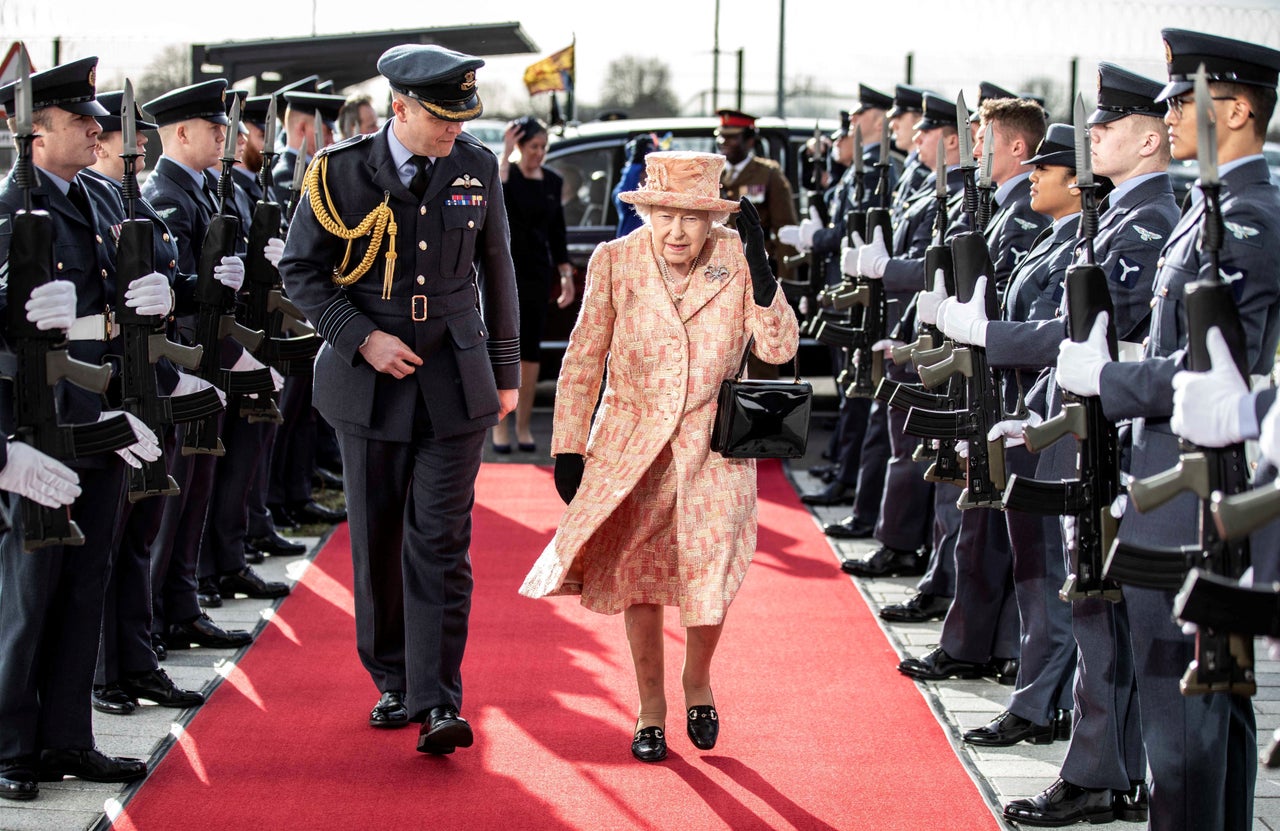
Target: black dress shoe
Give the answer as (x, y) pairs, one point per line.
(389, 711)
(246, 581)
(649, 745)
(18, 779)
(848, 529)
(1005, 670)
(112, 700)
(1007, 729)
(837, 493)
(325, 478)
(276, 545)
(1131, 805)
(253, 556)
(921, 608)
(938, 666)
(91, 765)
(1062, 803)
(201, 631)
(281, 518)
(443, 731)
(886, 562)
(826, 473)
(311, 512)
(157, 645)
(156, 685)
(703, 726)
(208, 595)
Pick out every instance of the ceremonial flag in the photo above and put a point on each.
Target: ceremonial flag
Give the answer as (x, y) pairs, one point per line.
(553, 73)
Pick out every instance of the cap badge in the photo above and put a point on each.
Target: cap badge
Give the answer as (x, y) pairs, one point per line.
(1099, 81)
(93, 76)
(1168, 52)
(469, 81)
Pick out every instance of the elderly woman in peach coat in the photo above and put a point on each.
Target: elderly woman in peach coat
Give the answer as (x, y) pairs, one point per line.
(655, 518)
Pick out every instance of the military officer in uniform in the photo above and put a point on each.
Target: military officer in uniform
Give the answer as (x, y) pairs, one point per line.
(1201, 749)
(421, 357)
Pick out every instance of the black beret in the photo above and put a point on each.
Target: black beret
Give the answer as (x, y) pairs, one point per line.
(1224, 59)
(113, 102)
(869, 99)
(907, 99)
(1057, 148)
(441, 80)
(70, 87)
(206, 100)
(938, 112)
(1121, 93)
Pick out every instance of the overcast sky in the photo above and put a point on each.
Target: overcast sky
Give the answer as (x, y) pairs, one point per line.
(836, 44)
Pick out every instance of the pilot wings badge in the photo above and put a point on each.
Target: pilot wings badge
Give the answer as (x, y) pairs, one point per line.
(1240, 231)
(1026, 226)
(1147, 236)
(465, 181)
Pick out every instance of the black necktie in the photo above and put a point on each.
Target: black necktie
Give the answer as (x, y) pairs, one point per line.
(211, 190)
(76, 194)
(421, 175)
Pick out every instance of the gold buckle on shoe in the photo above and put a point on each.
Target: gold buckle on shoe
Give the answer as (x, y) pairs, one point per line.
(419, 315)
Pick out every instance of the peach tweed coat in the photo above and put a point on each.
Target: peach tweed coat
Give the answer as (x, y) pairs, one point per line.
(665, 362)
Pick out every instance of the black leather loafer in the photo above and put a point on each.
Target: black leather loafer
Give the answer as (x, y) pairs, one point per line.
(207, 593)
(276, 545)
(938, 666)
(91, 765)
(18, 779)
(848, 529)
(1007, 729)
(1062, 803)
(1131, 805)
(886, 562)
(389, 711)
(248, 582)
(703, 726)
(112, 700)
(443, 731)
(201, 631)
(156, 685)
(649, 745)
(1005, 670)
(921, 608)
(836, 493)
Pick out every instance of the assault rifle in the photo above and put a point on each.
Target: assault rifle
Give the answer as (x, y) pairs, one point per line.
(40, 358)
(215, 311)
(1088, 497)
(143, 338)
(1224, 660)
(266, 308)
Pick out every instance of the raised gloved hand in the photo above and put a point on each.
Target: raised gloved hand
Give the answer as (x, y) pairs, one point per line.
(230, 273)
(146, 448)
(38, 477)
(188, 383)
(568, 475)
(873, 257)
(1206, 405)
(928, 301)
(273, 251)
(52, 305)
(1012, 429)
(1269, 437)
(1080, 364)
(763, 284)
(966, 322)
(150, 295)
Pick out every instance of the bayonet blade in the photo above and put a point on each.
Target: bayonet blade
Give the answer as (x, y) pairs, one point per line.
(300, 168)
(128, 126)
(965, 133)
(858, 167)
(22, 94)
(939, 170)
(233, 133)
(1084, 160)
(269, 139)
(988, 156)
(884, 143)
(318, 126)
(1206, 131)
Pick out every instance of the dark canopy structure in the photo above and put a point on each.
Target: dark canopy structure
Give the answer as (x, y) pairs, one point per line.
(346, 59)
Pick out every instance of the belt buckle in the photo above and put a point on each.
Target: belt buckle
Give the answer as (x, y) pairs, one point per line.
(417, 315)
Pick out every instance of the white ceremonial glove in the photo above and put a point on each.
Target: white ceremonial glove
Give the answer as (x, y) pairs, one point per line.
(230, 273)
(273, 251)
(1080, 364)
(1269, 438)
(277, 379)
(928, 301)
(1273, 652)
(849, 257)
(808, 228)
(1069, 532)
(1206, 405)
(966, 322)
(150, 295)
(1118, 505)
(146, 448)
(886, 346)
(873, 257)
(188, 384)
(247, 363)
(38, 477)
(790, 235)
(1012, 429)
(52, 305)
(962, 449)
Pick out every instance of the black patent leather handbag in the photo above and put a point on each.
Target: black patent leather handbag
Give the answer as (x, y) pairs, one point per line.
(762, 419)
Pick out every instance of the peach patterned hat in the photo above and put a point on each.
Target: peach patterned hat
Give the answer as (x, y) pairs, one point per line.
(682, 179)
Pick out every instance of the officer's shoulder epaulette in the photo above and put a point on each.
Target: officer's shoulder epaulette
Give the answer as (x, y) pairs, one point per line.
(345, 144)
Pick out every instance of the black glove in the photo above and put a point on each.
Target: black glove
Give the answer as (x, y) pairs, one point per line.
(763, 284)
(569, 467)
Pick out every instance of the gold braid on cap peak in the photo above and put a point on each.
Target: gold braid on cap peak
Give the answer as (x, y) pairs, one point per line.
(381, 220)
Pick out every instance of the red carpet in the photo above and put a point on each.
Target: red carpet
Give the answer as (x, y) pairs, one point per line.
(818, 729)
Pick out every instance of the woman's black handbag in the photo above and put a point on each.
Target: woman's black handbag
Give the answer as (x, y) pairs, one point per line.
(762, 419)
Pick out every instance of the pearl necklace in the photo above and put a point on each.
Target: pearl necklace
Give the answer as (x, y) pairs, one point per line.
(666, 276)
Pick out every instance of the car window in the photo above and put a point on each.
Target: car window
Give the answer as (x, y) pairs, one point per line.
(589, 176)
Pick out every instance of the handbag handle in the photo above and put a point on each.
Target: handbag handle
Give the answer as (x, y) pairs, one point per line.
(742, 367)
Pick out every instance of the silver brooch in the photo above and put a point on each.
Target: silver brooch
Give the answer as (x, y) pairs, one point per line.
(716, 272)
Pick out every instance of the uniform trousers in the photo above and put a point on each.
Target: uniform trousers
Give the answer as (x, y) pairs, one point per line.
(259, 523)
(939, 578)
(126, 646)
(50, 616)
(176, 549)
(906, 507)
(409, 510)
(982, 623)
(293, 454)
(222, 548)
(873, 459)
